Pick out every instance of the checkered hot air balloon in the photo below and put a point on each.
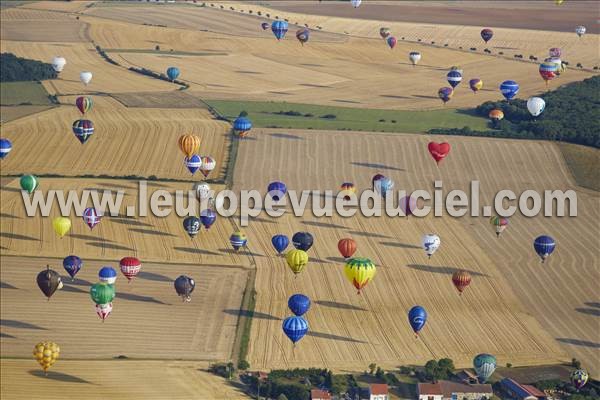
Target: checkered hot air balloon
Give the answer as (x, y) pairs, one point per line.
(91, 217)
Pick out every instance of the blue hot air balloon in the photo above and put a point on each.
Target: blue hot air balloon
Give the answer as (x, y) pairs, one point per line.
(295, 328)
(72, 264)
(544, 246)
(5, 147)
(193, 163)
(107, 275)
(277, 190)
(208, 217)
(302, 241)
(279, 29)
(280, 242)
(509, 89)
(299, 304)
(383, 185)
(83, 129)
(454, 77)
(417, 316)
(172, 73)
(242, 126)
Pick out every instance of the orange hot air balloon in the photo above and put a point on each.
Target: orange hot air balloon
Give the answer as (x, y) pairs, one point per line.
(189, 144)
(347, 247)
(496, 114)
(461, 280)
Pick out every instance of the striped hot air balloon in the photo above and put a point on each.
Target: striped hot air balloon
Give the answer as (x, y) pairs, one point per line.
(454, 77)
(548, 71)
(189, 144)
(5, 147)
(84, 104)
(461, 279)
(242, 126)
(238, 239)
(279, 29)
(295, 328)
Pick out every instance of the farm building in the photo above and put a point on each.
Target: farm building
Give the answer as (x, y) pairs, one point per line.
(446, 390)
(318, 394)
(517, 391)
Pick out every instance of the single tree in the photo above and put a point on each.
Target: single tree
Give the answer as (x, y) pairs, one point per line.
(372, 368)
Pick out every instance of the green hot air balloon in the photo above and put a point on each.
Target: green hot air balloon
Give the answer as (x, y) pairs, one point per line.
(485, 365)
(102, 293)
(29, 183)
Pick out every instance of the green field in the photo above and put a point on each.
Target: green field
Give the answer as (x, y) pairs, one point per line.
(23, 94)
(584, 164)
(265, 115)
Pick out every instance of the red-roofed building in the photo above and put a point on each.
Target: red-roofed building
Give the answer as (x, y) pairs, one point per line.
(318, 394)
(535, 391)
(430, 391)
(378, 391)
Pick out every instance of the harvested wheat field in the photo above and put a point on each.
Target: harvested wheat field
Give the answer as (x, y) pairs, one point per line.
(516, 308)
(118, 379)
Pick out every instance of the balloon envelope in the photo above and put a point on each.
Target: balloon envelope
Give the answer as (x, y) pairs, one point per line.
(454, 77)
(475, 84)
(58, 63)
(83, 129)
(238, 239)
(184, 286)
(102, 293)
(485, 365)
(242, 126)
(303, 35)
(46, 354)
(103, 310)
(579, 378)
(265, 26)
(359, 271)
(91, 217)
(208, 217)
(461, 279)
(280, 243)
(445, 94)
(193, 163)
(299, 304)
(391, 41)
(85, 77)
(487, 34)
(189, 144)
(279, 29)
(414, 57)
(496, 114)
(72, 264)
(544, 246)
(130, 267)
(430, 243)
(296, 260)
(84, 104)
(107, 275)
(509, 89)
(536, 106)
(277, 190)
(417, 317)
(302, 240)
(191, 226)
(438, 151)
(295, 328)
(61, 225)
(5, 147)
(347, 247)
(29, 183)
(48, 281)
(173, 73)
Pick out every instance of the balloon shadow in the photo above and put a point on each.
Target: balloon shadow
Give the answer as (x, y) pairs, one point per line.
(58, 376)
(86, 237)
(16, 236)
(589, 311)
(578, 342)
(443, 270)
(4, 285)
(323, 224)
(108, 246)
(130, 221)
(79, 282)
(333, 337)
(401, 245)
(249, 72)
(347, 101)
(137, 297)
(251, 314)
(11, 323)
(241, 252)
(7, 336)
(391, 96)
(151, 232)
(315, 86)
(5, 215)
(370, 235)
(286, 136)
(376, 166)
(11, 189)
(424, 97)
(196, 251)
(343, 306)
(151, 276)
(72, 289)
(336, 259)
(592, 304)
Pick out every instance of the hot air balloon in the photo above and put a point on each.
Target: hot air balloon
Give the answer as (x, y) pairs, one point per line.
(102, 293)
(558, 2)
(384, 186)
(280, 243)
(29, 183)
(302, 240)
(384, 32)
(5, 147)
(130, 267)
(496, 114)
(184, 286)
(417, 317)
(172, 73)
(191, 226)
(535, 106)
(348, 189)
(91, 217)
(61, 226)
(509, 89)
(279, 29)
(202, 190)
(456, 68)
(265, 26)
(430, 243)
(296, 260)
(499, 223)
(454, 77)
(295, 328)
(83, 129)
(375, 179)
(487, 34)
(208, 164)
(107, 275)
(238, 239)
(277, 190)
(242, 126)
(580, 30)
(84, 104)
(548, 71)
(208, 217)
(445, 94)
(299, 304)
(555, 52)
(103, 310)
(49, 281)
(356, 3)
(461, 279)
(46, 354)
(72, 264)
(560, 66)
(391, 41)
(544, 246)
(85, 77)
(438, 151)
(58, 63)
(414, 57)
(485, 365)
(359, 271)
(475, 84)
(408, 204)
(302, 35)
(347, 247)
(189, 144)
(193, 163)
(579, 378)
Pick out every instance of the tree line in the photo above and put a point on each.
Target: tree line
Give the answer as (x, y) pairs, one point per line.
(15, 69)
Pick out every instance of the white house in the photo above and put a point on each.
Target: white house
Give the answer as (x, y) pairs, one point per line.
(378, 391)
(430, 391)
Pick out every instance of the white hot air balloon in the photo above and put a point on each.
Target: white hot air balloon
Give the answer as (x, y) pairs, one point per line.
(580, 30)
(536, 106)
(85, 77)
(356, 3)
(58, 63)
(430, 243)
(414, 57)
(203, 191)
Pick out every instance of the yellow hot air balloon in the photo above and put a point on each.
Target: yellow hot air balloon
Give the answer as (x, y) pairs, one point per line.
(61, 226)
(189, 144)
(46, 354)
(297, 260)
(559, 2)
(359, 272)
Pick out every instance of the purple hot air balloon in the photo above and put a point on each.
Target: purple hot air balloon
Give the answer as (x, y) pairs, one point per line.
(91, 217)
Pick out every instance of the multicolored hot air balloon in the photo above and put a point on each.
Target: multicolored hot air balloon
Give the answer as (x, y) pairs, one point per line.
(103, 310)
(208, 164)
(83, 130)
(536, 106)
(496, 114)
(430, 243)
(485, 365)
(102, 293)
(384, 186)
(173, 73)
(58, 63)
(445, 94)
(91, 217)
(279, 29)
(509, 89)
(548, 71)
(265, 26)
(347, 189)
(303, 35)
(579, 378)
(544, 246)
(49, 281)
(277, 190)
(555, 52)
(414, 57)
(499, 223)
(84, 104)
(356, 3)
(280, 243)
(454, 77)
(72, 264)
(184, 286)
(85, 77)
(347, 247)
(417, 317)
(295, 328)
(238, 239)
(302, 240)
(438, 151)
(487, 34)
(193, 163)
(5, 147)
(191, 226)
(580, 30)
(29, 183)
(359, 271)
(475, 84)
(384, 32)
(391, 41)
(46, 354)
(107, 275)
(299, 304)
(189, 144)
(208, 218)
(461, 279)
(242, 126)
(130, 267)
(296, 260)
(61, 226)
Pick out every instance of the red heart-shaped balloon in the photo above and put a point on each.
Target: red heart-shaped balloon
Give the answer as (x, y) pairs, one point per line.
(438, 150)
